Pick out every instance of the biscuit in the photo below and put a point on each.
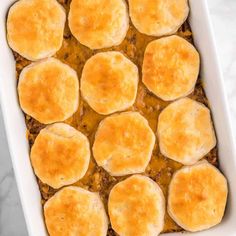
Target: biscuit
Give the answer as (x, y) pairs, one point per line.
(60, 155)
(185, 131)
(35, 28)
(170, 67)
(109, 82)
(123, 144)
(136, 206)
(158, 17)
(197, 197)
(75, 211)
(99, 23)
(49, 91)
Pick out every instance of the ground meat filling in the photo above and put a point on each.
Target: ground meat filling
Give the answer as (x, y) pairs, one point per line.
(160, 169)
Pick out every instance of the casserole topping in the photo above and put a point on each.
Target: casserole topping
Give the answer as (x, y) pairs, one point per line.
(131, 215)
(49, 91)
(170, 67)
(75, 211)
(131, 137)
(99, 23)
(158, 17)
(185, 131)
(197, 196)
(60, 155)
(106, 72)
(35, 28)
(130, 148)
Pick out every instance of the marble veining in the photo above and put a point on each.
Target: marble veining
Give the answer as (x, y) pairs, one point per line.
(224, 24)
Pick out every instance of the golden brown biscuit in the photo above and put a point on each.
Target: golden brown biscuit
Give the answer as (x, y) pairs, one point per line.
(49, 91)
(35, 28)
(185, 131)
(99, 23)
(74, 211)
(158, 17)
(170, 67)
(136, 206)
(60, 155)
(197, 196)
(123, 144)
(109, 82)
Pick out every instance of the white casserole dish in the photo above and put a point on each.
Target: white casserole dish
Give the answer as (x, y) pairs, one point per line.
(16, 129)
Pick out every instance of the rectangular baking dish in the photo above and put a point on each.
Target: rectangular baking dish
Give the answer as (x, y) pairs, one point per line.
(213, 84)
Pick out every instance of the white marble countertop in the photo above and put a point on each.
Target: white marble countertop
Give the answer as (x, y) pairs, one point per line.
(223, 14)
